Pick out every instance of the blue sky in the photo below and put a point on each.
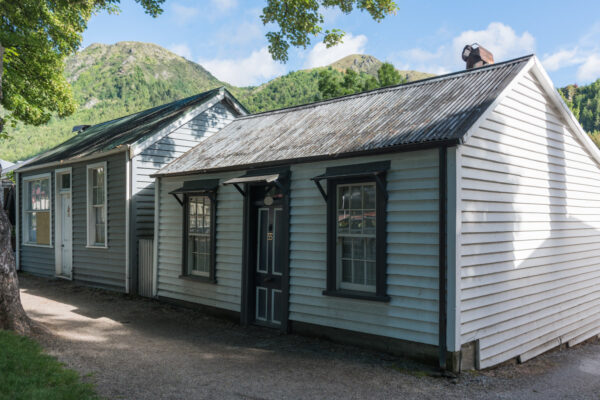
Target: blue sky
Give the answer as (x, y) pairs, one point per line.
(227, 37)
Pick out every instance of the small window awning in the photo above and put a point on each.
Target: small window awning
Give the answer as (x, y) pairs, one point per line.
(270, 178)
(200, 186)
(375, 170)
(250, 179)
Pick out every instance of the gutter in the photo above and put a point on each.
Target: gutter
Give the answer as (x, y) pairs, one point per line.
(309, 159)
(443, 262)
(118, 149)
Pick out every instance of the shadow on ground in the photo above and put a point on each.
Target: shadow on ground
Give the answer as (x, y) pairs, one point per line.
(138, 348)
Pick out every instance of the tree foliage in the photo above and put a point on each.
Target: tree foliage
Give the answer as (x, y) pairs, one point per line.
(333, 83)
(300, 20)
(35, 38)
(584, 102)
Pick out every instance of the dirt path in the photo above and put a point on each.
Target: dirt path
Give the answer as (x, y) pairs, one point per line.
(135, 348)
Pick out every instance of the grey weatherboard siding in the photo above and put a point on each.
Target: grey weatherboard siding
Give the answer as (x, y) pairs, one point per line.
(97, 267)
(100, 267)
(161, 153)
(412, 251)
(107, 268)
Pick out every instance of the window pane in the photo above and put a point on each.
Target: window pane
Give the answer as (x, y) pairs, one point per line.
(346, 247)
(343, 221)
(100, 222)
(371, 250)
(65, 181)
(42, 227)
(347, 271)
(356, 221)
(355, 197)
(371, 273)
(358, 275)
(343, 198)
(358, 249)
(192, 218)
(369, 196)
(369, 222)
(32, 221)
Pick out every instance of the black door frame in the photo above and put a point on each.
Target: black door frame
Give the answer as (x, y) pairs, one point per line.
(248, 292)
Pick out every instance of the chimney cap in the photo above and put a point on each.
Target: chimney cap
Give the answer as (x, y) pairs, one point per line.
(476, 56)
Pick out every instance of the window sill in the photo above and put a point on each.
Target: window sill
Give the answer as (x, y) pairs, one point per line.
(196, 278)
(356, 295)
(45, 246)
(95, 247)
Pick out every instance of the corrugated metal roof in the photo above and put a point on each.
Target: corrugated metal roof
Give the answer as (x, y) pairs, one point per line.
(122, 131)
(434, 110)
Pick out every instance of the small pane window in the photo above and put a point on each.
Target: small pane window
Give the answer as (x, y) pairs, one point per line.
(97, 209)
(356, 236)
(37, 211)
(199, 235)
(65, 181)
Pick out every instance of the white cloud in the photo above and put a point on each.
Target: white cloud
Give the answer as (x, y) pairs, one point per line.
(500, 39)
(320, 55)
(181, 49)
(257, 68)
(590, 69)
(585, 55)
(184, 14)
(224, 5)
(561, 59)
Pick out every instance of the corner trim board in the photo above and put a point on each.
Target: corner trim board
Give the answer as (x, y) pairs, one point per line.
(442, 179)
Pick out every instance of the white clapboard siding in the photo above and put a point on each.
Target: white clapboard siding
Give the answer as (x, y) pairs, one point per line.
(412, 253)
(530, 260)
(162, 152)
(227, 291)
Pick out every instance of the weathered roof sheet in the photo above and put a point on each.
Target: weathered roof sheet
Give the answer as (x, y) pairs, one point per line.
(434, 110)
(121, 131)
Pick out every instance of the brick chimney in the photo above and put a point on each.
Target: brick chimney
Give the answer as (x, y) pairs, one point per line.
(476, 56)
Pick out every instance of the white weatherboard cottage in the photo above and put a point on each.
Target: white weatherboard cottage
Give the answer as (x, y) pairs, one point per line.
(456, 214)
(86, 205)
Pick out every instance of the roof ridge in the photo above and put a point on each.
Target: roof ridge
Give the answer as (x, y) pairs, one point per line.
(156, 107)
(392, 88)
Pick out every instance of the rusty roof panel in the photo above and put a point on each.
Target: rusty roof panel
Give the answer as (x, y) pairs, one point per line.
(109, 135)
(435, 110)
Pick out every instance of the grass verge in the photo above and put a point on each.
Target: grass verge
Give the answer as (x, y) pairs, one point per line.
(27, 373)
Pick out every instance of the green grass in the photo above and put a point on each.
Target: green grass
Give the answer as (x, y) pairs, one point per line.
(27, 373)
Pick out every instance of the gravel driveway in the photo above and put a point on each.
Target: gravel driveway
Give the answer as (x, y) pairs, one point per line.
(134, 348)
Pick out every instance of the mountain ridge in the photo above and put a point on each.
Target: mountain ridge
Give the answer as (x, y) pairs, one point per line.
(111, 81)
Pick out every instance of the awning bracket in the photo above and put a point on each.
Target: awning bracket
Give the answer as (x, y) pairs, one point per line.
(239, 189)
(381, 185)
(320, 187)
(177, 198)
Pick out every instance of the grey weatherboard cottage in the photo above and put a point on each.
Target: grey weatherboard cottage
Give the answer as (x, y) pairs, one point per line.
(84, 205)
(455, 217)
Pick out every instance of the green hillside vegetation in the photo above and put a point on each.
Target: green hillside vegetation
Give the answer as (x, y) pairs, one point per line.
(371, 66)
(110, 81)
(584, 101)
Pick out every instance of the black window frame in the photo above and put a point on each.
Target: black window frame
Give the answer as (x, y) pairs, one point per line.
(379, 178)
(211, 278)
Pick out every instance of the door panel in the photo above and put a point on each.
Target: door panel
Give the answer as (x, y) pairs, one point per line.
(66, 235)
(269, 265)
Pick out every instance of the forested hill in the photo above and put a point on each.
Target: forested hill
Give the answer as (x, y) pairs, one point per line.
(584, 101)
(110, 81)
